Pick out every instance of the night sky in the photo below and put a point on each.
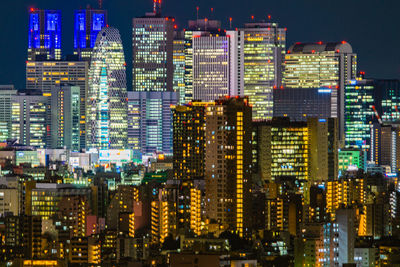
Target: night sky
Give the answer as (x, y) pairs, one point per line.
(372, 27)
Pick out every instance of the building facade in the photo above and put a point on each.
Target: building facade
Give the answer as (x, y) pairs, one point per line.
(65, 117)
(44, 75)
(7, 92)
(107, 100)
(264, 49)
(316, 65)
(44, 39)
(87, 24)
(30, 119)
(150, 122)
(152, 46)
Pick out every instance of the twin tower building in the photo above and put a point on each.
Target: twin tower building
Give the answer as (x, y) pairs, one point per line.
(169, 67)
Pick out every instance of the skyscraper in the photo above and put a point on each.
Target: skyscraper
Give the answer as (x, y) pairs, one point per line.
(227, 163)
(189, 141)
(359, 113)
(194, 25)
(107, 96)
(44, 40)
(87, 24)
(217, 64)
(264, 48)
(150, 122)
(42, 76)
(179, 66)
(152, 45)
(65, 113)
(316, 65)
(6, 94)
(30, 124)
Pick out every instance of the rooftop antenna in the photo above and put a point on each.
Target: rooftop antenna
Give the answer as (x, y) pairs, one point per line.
(212, 12)
(197, 11)
(100, 4)
(230, 23)
(157, 6)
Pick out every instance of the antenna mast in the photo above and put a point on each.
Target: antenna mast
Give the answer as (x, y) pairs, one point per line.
(157, 6)
(100, 4)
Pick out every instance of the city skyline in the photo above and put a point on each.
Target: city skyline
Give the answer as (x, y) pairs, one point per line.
(296, 17)
(160, 139)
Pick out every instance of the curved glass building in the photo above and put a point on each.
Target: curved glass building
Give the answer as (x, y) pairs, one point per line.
(106, 113)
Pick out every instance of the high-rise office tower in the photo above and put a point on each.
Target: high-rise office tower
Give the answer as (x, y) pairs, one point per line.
(179, 66)
(30, 124)
(227, 163)
(327, 65)
(152, 45)
(44, 40)
(264, 48)
(217, 64)
(44, 75)
(305, 151)
(87, 24)
(6, 94)
(65, 113)
(107, 99)
(194, 25)
(359, 113)
(150, 122)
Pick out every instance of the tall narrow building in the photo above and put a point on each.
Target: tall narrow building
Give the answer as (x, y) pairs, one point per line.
(359, 113)
(228, 163)
(65, 110)
(87, 24)
(154, 83)
(107, 96)
(44, 39)
(264, 49)
(152, 48)
(6, 94)
(179, 66)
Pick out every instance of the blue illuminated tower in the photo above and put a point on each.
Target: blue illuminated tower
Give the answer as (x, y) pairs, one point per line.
(87, 24)
(44, 42)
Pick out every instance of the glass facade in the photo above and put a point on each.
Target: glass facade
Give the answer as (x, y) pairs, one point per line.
(327, 65)
(6, 94)
(107, 96)
(179, 69)
(30, 119)
(65, 121)
(264, 47)
(43, 76)
(359, 113)
(150, 122)
(152, 44)
(211, 66)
